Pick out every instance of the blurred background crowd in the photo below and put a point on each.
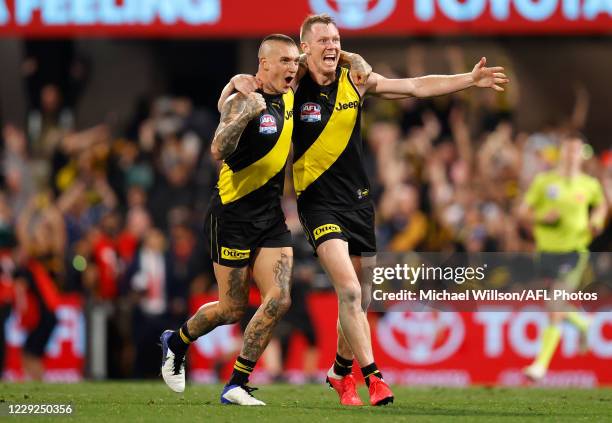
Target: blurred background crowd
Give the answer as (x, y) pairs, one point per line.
(113, 211)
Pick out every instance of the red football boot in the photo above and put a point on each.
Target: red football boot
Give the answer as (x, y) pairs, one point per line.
(380, 393)
(346, 389)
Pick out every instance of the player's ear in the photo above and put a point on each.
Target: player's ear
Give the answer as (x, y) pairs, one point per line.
(264, 63)
(305, 48)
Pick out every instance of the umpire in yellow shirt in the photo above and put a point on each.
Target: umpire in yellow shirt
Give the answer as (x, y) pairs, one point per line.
(566, 209)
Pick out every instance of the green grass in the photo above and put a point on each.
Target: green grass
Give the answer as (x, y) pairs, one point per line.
(152, 401)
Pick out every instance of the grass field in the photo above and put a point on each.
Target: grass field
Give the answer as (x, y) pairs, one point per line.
(152, 401)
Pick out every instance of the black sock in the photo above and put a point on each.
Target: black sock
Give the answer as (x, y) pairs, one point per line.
(179, 340)
(242, 371)
(343, 366)
(370, 370)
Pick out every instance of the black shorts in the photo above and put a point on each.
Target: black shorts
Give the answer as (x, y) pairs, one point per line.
(232, 243)
(38, 338)
(353, 226)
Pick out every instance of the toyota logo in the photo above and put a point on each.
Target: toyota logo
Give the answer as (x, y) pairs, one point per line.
(423, 337)
(354, 14)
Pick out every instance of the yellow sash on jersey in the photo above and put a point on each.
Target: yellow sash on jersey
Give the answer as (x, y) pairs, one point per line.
(235, 185)
(333, 139)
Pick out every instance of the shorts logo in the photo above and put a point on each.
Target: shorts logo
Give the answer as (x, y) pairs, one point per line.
(267, 124)
(349, 105)
(310, 112)
(232, 254)
(325, 229)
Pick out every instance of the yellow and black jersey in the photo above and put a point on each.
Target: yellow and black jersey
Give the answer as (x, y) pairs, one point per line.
(251, 180)
(328, 171)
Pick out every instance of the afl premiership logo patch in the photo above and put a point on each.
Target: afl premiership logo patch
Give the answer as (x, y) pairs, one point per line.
(267, 124)
(310, 112)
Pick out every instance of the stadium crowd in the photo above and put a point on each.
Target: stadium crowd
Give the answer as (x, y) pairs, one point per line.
(115, 214)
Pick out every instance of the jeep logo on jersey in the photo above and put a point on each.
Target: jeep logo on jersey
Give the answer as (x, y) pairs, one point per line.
(349, 105)
(310, 112)
(325, 229)
(355, 14)
(267, 124)
(232, 254)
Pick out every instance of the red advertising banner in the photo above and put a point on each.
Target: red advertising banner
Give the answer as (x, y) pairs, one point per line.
(238, 18)
(434, 348)
(65, 352)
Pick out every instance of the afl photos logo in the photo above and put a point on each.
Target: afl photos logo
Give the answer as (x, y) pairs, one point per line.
(310, 112)
(355, 14)
(267, 124)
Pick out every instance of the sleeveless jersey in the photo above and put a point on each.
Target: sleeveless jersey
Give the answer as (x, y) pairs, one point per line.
(328, 170)
(252, 178)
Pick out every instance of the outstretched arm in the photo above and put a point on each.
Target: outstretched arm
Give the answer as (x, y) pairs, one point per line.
(434, 85)
(236, 113)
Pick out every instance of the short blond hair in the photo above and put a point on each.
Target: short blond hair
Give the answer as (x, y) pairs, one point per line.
(310, 20)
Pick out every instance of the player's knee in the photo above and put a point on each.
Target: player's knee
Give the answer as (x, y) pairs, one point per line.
(284, 302)
(277, 305)
(233, 313)
(350, 296)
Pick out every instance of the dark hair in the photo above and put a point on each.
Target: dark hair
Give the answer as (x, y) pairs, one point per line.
(310, 20)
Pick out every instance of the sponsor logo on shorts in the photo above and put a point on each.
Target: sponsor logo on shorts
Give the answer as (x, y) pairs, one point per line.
(325, 229)
(233, 254)
(310, 112)
(349, 105)
(267, 124)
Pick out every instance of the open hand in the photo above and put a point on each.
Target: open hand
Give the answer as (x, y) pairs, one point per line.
(488, 77)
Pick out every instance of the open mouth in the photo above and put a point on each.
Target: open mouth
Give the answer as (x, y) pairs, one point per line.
(288, 79)
(329, 59)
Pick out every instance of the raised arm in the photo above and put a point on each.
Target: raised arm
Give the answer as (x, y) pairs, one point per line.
(434, 85)
(236, 113)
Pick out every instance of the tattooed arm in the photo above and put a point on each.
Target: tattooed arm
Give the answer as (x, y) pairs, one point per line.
(236, 113)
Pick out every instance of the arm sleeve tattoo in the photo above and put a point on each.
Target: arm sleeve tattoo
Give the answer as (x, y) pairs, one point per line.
(234, 118)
